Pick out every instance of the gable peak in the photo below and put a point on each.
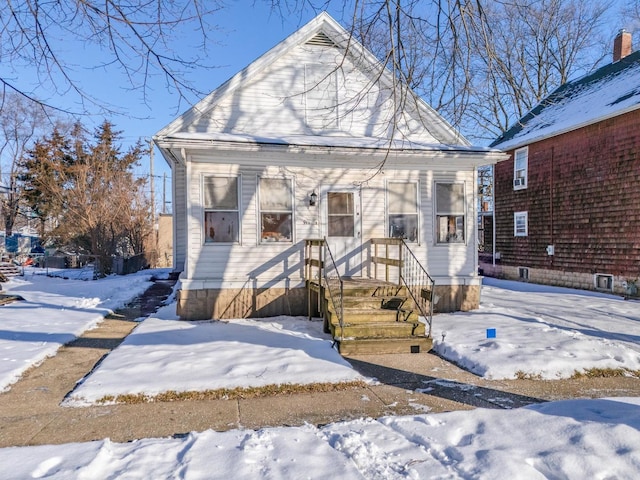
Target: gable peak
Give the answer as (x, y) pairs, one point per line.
(321, 39)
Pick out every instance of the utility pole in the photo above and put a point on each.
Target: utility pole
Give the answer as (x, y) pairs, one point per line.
(153, 193)
(164, 193)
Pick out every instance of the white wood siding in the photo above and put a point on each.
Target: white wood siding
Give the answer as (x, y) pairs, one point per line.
(251, 263)
(273, 102)
(179, 208)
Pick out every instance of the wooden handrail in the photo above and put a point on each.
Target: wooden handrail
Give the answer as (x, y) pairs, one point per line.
(411, 273)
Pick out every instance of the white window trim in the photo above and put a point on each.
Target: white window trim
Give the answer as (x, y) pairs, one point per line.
(524, 215)
(417, 204)
(259, 211)
(464, 214)
(205, 209)
(522, 182)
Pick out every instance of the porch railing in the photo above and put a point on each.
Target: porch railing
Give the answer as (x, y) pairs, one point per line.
(395, 253)
(335, 286)
(313, 272)
(321, 273)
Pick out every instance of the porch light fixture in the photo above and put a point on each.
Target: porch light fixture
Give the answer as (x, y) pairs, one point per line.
(313, 198)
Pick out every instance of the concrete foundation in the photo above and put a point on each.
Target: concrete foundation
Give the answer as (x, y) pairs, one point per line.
(206, 304)
(241, 303)
(578, 280)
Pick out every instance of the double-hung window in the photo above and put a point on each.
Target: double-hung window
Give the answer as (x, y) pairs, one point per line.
(520, 167)
(402, 210)
(276, 210)
(450, 213)
(521, 224)
(221, 210)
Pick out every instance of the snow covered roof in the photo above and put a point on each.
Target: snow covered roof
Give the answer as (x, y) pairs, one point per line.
(336, 141)
(608, 92)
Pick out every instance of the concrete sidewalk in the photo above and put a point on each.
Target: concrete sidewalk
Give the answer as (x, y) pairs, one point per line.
(30, 412)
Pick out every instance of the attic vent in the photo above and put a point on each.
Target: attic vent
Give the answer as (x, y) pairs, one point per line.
(321, 40)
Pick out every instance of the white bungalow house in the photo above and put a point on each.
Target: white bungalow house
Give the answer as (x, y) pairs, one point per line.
(315, 140)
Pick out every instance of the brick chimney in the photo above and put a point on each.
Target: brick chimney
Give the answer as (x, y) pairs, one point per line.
(621, 45)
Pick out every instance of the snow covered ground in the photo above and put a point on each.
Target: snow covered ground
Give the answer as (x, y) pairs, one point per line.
(55, 311)
(543, 331)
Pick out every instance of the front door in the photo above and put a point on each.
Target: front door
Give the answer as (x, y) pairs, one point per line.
(342, 227)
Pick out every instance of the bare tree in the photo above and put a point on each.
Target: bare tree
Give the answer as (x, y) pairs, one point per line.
(134, 38)
(88, 188)
(20, 123)
(480, 63)
(523, 51)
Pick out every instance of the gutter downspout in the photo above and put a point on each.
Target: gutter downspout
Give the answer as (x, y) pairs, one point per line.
(493, 213)
(551, 200)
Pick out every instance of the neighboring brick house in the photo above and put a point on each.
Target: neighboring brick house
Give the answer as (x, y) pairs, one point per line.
(567, 202)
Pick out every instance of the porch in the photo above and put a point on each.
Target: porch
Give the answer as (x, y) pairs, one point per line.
(390, 311)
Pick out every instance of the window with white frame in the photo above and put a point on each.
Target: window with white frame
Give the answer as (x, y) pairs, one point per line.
(520, 168)
(276, 210)
(221, 209)
(450, 213)
(402, 210)
(321, 96)
(521, 224)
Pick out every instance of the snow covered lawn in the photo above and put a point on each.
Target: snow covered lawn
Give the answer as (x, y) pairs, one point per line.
(160, 355)
(541, 331)
(574, 439)
(55, 312)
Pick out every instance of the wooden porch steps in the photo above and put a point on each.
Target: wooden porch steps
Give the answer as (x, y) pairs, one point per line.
(369, 346)
(8, 269)
(379, 317)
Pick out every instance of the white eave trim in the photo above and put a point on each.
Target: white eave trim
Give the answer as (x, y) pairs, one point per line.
(369, 156)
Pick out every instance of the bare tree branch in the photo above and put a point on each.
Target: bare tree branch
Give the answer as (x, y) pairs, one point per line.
(135, 38)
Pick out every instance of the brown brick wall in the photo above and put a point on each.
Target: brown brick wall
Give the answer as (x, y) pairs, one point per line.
(583, 196)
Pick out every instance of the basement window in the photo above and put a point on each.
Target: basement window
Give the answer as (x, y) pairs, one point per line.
(523, 273)
(603, 282)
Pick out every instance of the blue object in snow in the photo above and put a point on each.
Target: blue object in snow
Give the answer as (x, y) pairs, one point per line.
(491, 333)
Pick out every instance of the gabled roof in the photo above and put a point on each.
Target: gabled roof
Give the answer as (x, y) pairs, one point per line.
(608, 92)
(322, 30)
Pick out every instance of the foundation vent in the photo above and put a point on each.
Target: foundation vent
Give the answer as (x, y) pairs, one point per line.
(523, 273)
(603, 282)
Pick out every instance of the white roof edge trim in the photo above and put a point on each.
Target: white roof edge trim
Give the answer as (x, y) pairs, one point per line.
(289, 146)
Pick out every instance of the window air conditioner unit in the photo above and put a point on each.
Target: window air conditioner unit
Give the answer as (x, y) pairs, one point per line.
(518, 182)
